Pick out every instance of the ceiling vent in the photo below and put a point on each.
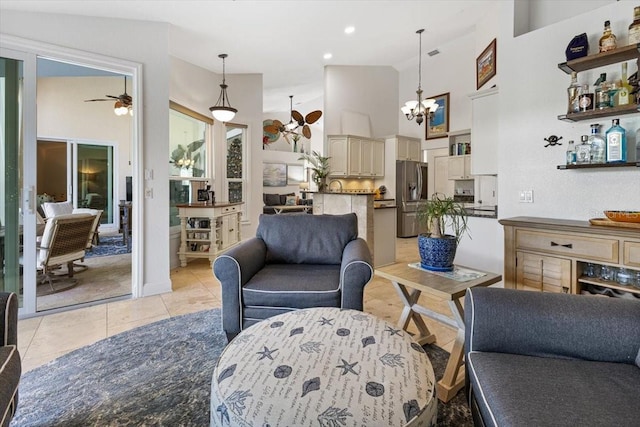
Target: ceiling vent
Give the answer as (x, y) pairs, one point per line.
(434, 52)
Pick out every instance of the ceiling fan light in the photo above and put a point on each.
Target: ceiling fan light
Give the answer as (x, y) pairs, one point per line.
(120, 109)
(291, 125)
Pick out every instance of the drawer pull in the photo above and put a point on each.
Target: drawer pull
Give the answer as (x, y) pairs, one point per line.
(568, 245)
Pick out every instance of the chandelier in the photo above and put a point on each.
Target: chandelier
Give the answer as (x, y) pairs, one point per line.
(223, 111)
(419, 108)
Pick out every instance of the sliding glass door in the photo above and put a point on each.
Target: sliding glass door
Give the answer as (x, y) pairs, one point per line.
(93, 178)
(17, 176)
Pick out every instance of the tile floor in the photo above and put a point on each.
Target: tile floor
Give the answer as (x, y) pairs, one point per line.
(41, 339)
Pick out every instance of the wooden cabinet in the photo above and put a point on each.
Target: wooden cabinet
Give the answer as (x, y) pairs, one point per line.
(484, 122)
(356, 157)
(408, 149)
(207, 230)
(441, 182)
(551, 254)
(459, 167)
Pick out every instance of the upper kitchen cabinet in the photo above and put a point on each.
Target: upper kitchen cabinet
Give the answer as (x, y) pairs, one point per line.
(484, 122)
(408, 149)
(356, 157)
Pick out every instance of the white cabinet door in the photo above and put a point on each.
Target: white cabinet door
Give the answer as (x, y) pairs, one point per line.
(467, 167)
(366, 157)
(441, 182)
(459, 167)
(338, 150)
(414, 150)
(484, 122)
(354, 157)
(377, 165)
(408, 149)
(230, 227)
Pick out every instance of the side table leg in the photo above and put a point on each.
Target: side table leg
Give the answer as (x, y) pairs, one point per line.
(409, 299)
(453, 379)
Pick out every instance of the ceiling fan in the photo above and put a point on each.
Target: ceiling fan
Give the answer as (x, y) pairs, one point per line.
(123, 104)
(296, 121)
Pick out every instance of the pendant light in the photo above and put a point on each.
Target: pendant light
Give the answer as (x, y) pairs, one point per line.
(223, 111)
(419, 108)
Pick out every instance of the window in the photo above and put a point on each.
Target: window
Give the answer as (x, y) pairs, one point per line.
(189, 157)
(236, 174)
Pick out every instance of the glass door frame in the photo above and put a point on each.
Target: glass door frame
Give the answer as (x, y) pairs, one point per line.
(27, 192)
(33, 49)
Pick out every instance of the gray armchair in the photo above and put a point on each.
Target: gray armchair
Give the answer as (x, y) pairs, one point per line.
(10, 366)
(545, 359)
(295, 261)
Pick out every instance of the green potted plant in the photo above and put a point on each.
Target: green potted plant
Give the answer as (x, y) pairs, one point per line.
(320, 168)
(437, 249)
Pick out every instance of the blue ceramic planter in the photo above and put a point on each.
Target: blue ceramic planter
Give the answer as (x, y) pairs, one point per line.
(437, 254)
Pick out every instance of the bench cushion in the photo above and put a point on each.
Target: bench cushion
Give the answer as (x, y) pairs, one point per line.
(518, 390)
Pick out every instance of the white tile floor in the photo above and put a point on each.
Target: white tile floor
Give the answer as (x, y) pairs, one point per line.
(42, 339)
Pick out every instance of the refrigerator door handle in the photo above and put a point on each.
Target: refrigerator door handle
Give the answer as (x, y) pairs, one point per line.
(419, 173)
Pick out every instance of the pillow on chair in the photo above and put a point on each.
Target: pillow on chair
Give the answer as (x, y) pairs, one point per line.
(271, 199)
(54, 209)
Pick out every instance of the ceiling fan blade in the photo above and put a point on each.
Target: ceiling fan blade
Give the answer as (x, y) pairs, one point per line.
(101, 99)
(271, 129)
(297, 116)
(112, 96)
(313, 116)
(306, 131)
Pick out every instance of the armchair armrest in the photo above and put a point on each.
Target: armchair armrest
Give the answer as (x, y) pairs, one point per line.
(355, 272)
(234, 269)
(552, 325)
(8, 318)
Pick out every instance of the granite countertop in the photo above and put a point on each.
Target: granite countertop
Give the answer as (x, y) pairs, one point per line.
(482, 211)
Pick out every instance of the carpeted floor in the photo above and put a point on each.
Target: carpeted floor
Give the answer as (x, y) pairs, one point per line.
(109, 245)
(155, 375)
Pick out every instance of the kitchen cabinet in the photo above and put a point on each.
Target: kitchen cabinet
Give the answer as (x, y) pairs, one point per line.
(207, 230)
(364, 157)
(552, 255)
(459, 167)
(408, 149)
(484, 122)
(441, 182)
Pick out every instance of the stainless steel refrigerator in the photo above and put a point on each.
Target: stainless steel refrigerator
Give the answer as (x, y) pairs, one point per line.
(411, 187)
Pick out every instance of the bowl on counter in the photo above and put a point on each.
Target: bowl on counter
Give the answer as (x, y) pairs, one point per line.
(623, 216)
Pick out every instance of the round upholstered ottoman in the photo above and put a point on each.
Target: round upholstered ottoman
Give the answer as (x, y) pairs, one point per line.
(323, 367)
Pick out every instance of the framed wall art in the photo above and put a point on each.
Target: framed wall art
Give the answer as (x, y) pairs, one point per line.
(295, 174)
(438, 125)
(274, 175)
(486, 64)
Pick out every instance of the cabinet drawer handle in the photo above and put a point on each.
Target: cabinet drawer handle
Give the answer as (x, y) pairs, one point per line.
(567, 245)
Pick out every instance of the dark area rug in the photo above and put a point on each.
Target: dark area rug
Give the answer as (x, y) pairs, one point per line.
(109, 245)
(155, 375)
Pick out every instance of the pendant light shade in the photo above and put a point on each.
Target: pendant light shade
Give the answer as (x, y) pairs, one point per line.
(420, 108)
(223, 111)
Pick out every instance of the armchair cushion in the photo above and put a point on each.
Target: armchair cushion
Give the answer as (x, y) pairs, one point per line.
(57, 208)
(271, 199)
(307, 239)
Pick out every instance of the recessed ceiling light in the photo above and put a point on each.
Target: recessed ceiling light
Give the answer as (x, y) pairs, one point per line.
(349, 29)
(327, 56)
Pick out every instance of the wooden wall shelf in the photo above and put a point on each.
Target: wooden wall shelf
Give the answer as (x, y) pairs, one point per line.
(625, 53)
(597, 114)
(601, 165)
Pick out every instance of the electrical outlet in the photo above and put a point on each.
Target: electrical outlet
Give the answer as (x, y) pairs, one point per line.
(148, 193)
(148, 174)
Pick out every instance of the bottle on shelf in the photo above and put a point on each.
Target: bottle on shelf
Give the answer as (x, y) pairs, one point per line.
(571, 153)
(602, 100)
(623, 95)
(634, 27)
(598, 145)
(583, 151)
(585, 98)
(608, 41)
(572, 93)
(616, 140)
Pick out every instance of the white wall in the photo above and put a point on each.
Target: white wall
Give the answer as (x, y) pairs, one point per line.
(532, 95)
(369, 90)
(140, 42)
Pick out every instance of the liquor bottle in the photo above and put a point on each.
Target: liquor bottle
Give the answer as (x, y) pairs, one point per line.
(583, 151)
(598, 145)
(571, 153)
(623, 95)
(616, 143)
(608, 41)
(602, 100)
(572, 94)
(634, 28)
(585, 98)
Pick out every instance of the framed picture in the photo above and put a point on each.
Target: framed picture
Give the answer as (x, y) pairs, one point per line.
(438, 125)
(486, 65)
(274, 175)
(295, 174)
